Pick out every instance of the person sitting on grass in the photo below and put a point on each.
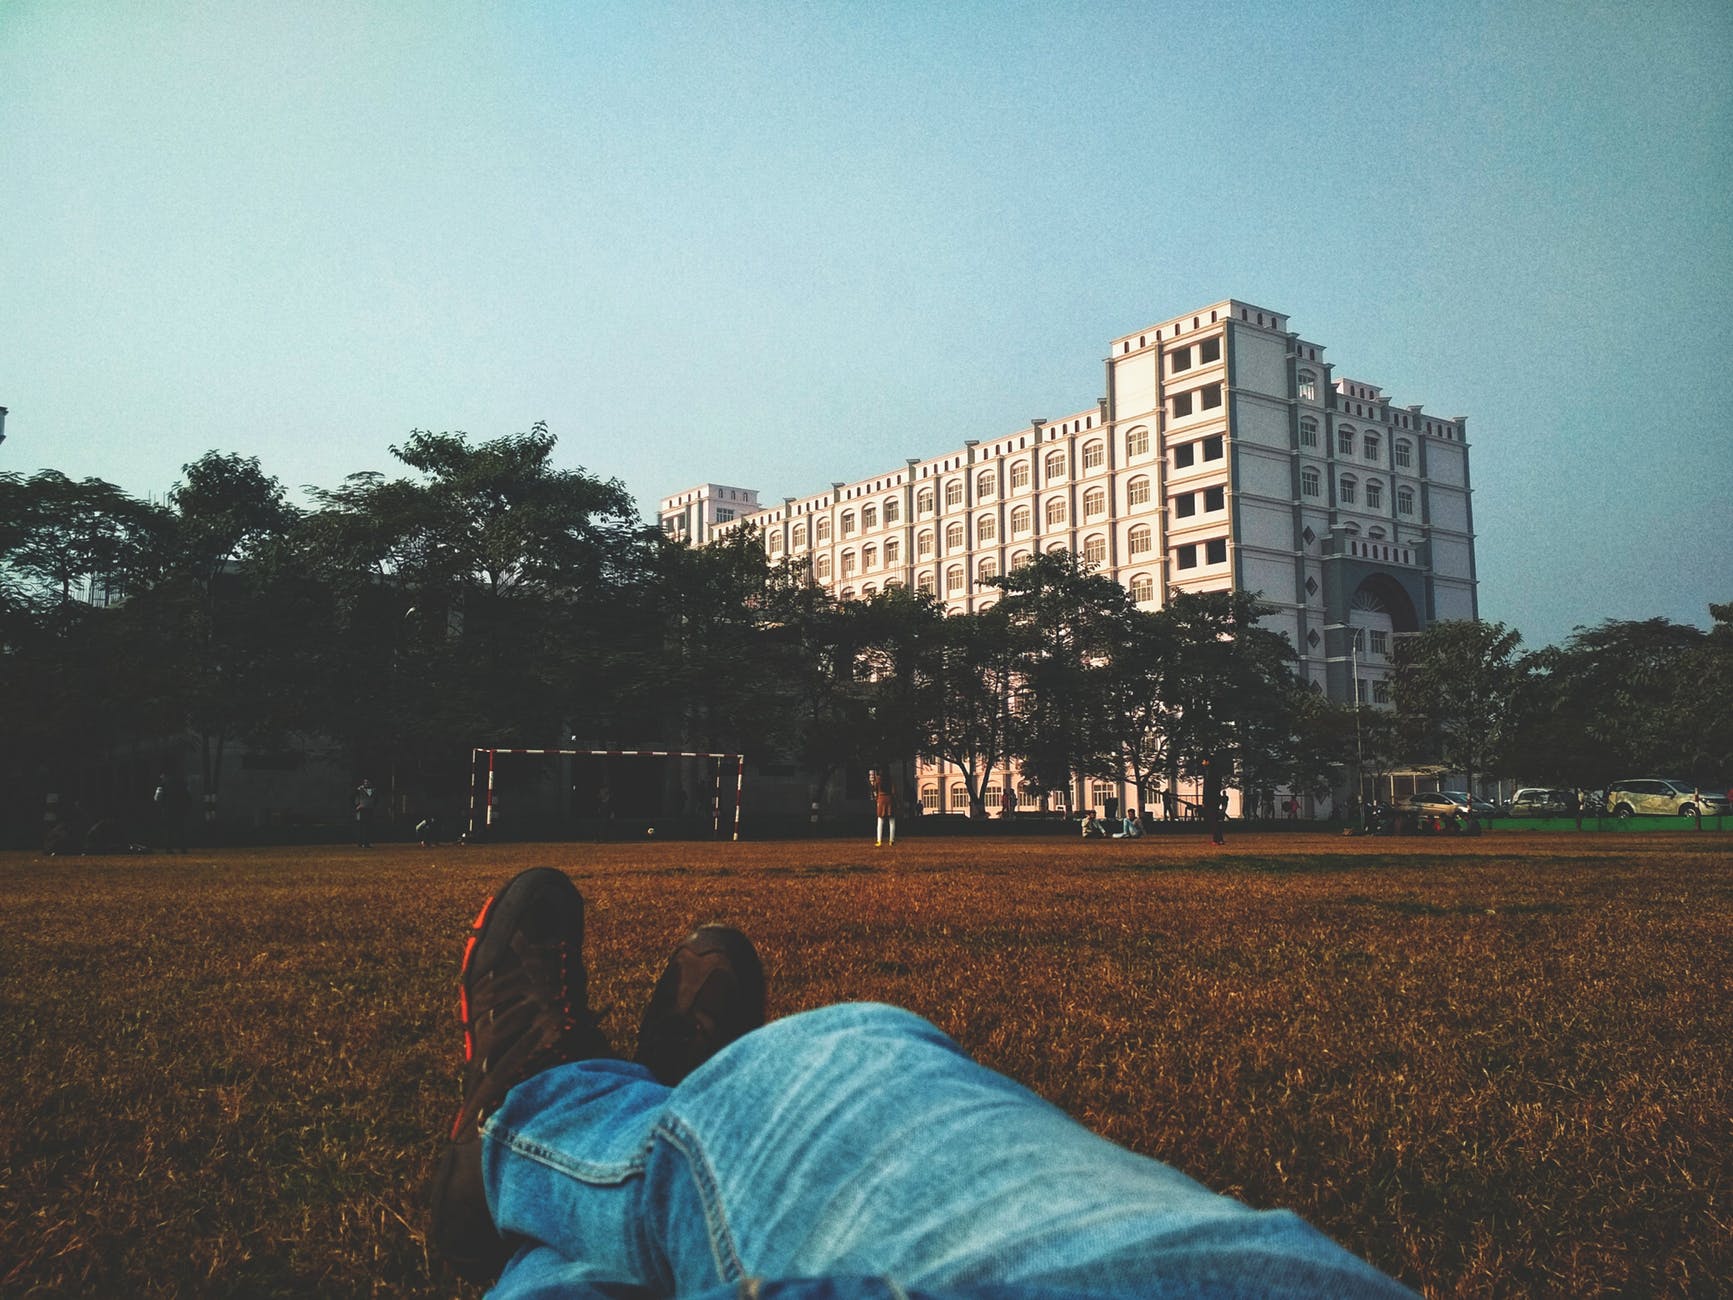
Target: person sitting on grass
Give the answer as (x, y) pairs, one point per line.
(1092, 825)
(850, 1151)
(1129, 829)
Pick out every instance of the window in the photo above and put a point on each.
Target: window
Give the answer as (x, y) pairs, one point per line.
(1209, 350)
(1380, 642)
(1020, 520)
(1142, 588)
(1137, 492)
(775, 543)
(800, 534)
(925, 582)
(1309, 482)
(892, 512)
(1140, 540)
(847, 593)
(892, 551)
(1055, 512)
(1179, 359)
(1215, 551)
(1308, 433)
(924, 543)
(822, 568)
(1308, 386)
(986, 529)
(1137, 442)
(1210, 396)
(1185, 505)
(1215, 498)
(954, 492)
(1095, 549)
(1185, 557)
(1183, 454)
(959, 796)
(848, 564)
(1019, 475)
(954, 536)
(1369, 445)
(1094, 503)
(1404, 500)
(1181, 405)
(988, 568)
(1055, 466)
(869, 590)
(924, 501)
(1345, 441)
(930, 798)
(1345, 490)
(1019, 559)
(1094, 454)
(1374, 494)
(984, 485)
(821, 531)
(869, 557)
(869, 518)
(1212, 448)
(1404, 454)
(1381, 691)
(953, 579)
(848, 523)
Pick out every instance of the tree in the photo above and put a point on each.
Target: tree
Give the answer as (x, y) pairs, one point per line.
(1455, 687)
(969, 716)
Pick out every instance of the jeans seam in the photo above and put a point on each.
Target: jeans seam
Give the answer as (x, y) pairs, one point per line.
(723, 1251)
(611, 1174)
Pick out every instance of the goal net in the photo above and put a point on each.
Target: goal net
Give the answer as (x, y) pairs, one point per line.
(612, 793)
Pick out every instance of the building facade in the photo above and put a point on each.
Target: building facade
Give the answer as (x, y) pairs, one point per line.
(1225, 453)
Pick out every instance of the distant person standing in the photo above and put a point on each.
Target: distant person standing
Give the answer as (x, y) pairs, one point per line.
(885, 806)
(364, 801)
(1110, 807)
(170, 801)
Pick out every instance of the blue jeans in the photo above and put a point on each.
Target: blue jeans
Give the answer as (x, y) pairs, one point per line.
(856, 1151)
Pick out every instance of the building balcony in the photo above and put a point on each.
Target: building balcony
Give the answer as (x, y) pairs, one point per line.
(1410, 555)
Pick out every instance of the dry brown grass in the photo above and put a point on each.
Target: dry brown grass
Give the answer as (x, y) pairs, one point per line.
(1495, 1066)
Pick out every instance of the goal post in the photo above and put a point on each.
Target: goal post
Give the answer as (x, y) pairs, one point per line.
(724, 770)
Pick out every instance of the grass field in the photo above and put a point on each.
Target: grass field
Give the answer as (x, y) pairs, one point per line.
(1493, 1066)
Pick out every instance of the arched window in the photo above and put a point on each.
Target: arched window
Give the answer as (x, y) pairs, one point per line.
(1019, 559)
(869, 557)
(1095, 549)
(1094, 503)
(1019, 475)
(893, 551)
(924, 543)
(1094, 454)
(1404, 454)
(1020, 518)
(1055, 511)
(924, 582)
(848, 564)
(1374, 534)
(1140, 540)
(924, 501)
(984, 485)
(959, 796)
(1404, 500)
(1137, 442)
(800, 534)
(986, 528)
(869, 590)
(776, 543)
(821, 531)
(953, 579)
(1310, 484)
(1308, 386)
(821, 568)
(1137, 491)
(988, 568)
(891, 511)
(1344, 441)
(1308, 433)
(1346, 489)
(954, 492)
(1142, 588)
(930, 798)
(1374, 494)
(847, 593)
(954, 536)
(869, 518)
(1369, 443)
(848, 523)
(1055, 467)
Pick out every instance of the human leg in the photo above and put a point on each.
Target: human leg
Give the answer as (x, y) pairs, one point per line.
(859, 1140)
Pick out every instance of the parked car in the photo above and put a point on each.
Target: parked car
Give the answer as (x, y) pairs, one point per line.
(1536, 801)
(1473, 804)
(1435, 803)
(1663, 797)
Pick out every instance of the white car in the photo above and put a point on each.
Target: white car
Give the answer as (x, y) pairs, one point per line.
(1663, 797)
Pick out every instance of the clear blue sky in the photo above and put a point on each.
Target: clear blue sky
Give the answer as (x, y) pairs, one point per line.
(777, 245)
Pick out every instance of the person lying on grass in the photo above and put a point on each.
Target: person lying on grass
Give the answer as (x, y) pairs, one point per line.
(850, 1151)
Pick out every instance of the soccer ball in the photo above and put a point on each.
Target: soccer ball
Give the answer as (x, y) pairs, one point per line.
(650, 831)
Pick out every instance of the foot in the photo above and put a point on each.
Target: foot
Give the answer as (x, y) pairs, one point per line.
(711, 994)
(524, 1004)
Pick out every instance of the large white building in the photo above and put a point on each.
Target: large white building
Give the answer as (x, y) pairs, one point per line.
(1226, 452)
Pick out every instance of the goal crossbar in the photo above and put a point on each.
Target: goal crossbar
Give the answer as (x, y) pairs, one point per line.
(481, 800)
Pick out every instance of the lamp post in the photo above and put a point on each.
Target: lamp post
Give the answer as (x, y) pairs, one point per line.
(1359, 749)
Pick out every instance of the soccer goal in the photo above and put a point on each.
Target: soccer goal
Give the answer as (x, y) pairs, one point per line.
(602, 786)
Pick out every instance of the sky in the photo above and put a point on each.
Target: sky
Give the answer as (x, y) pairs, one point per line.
(780, 245)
